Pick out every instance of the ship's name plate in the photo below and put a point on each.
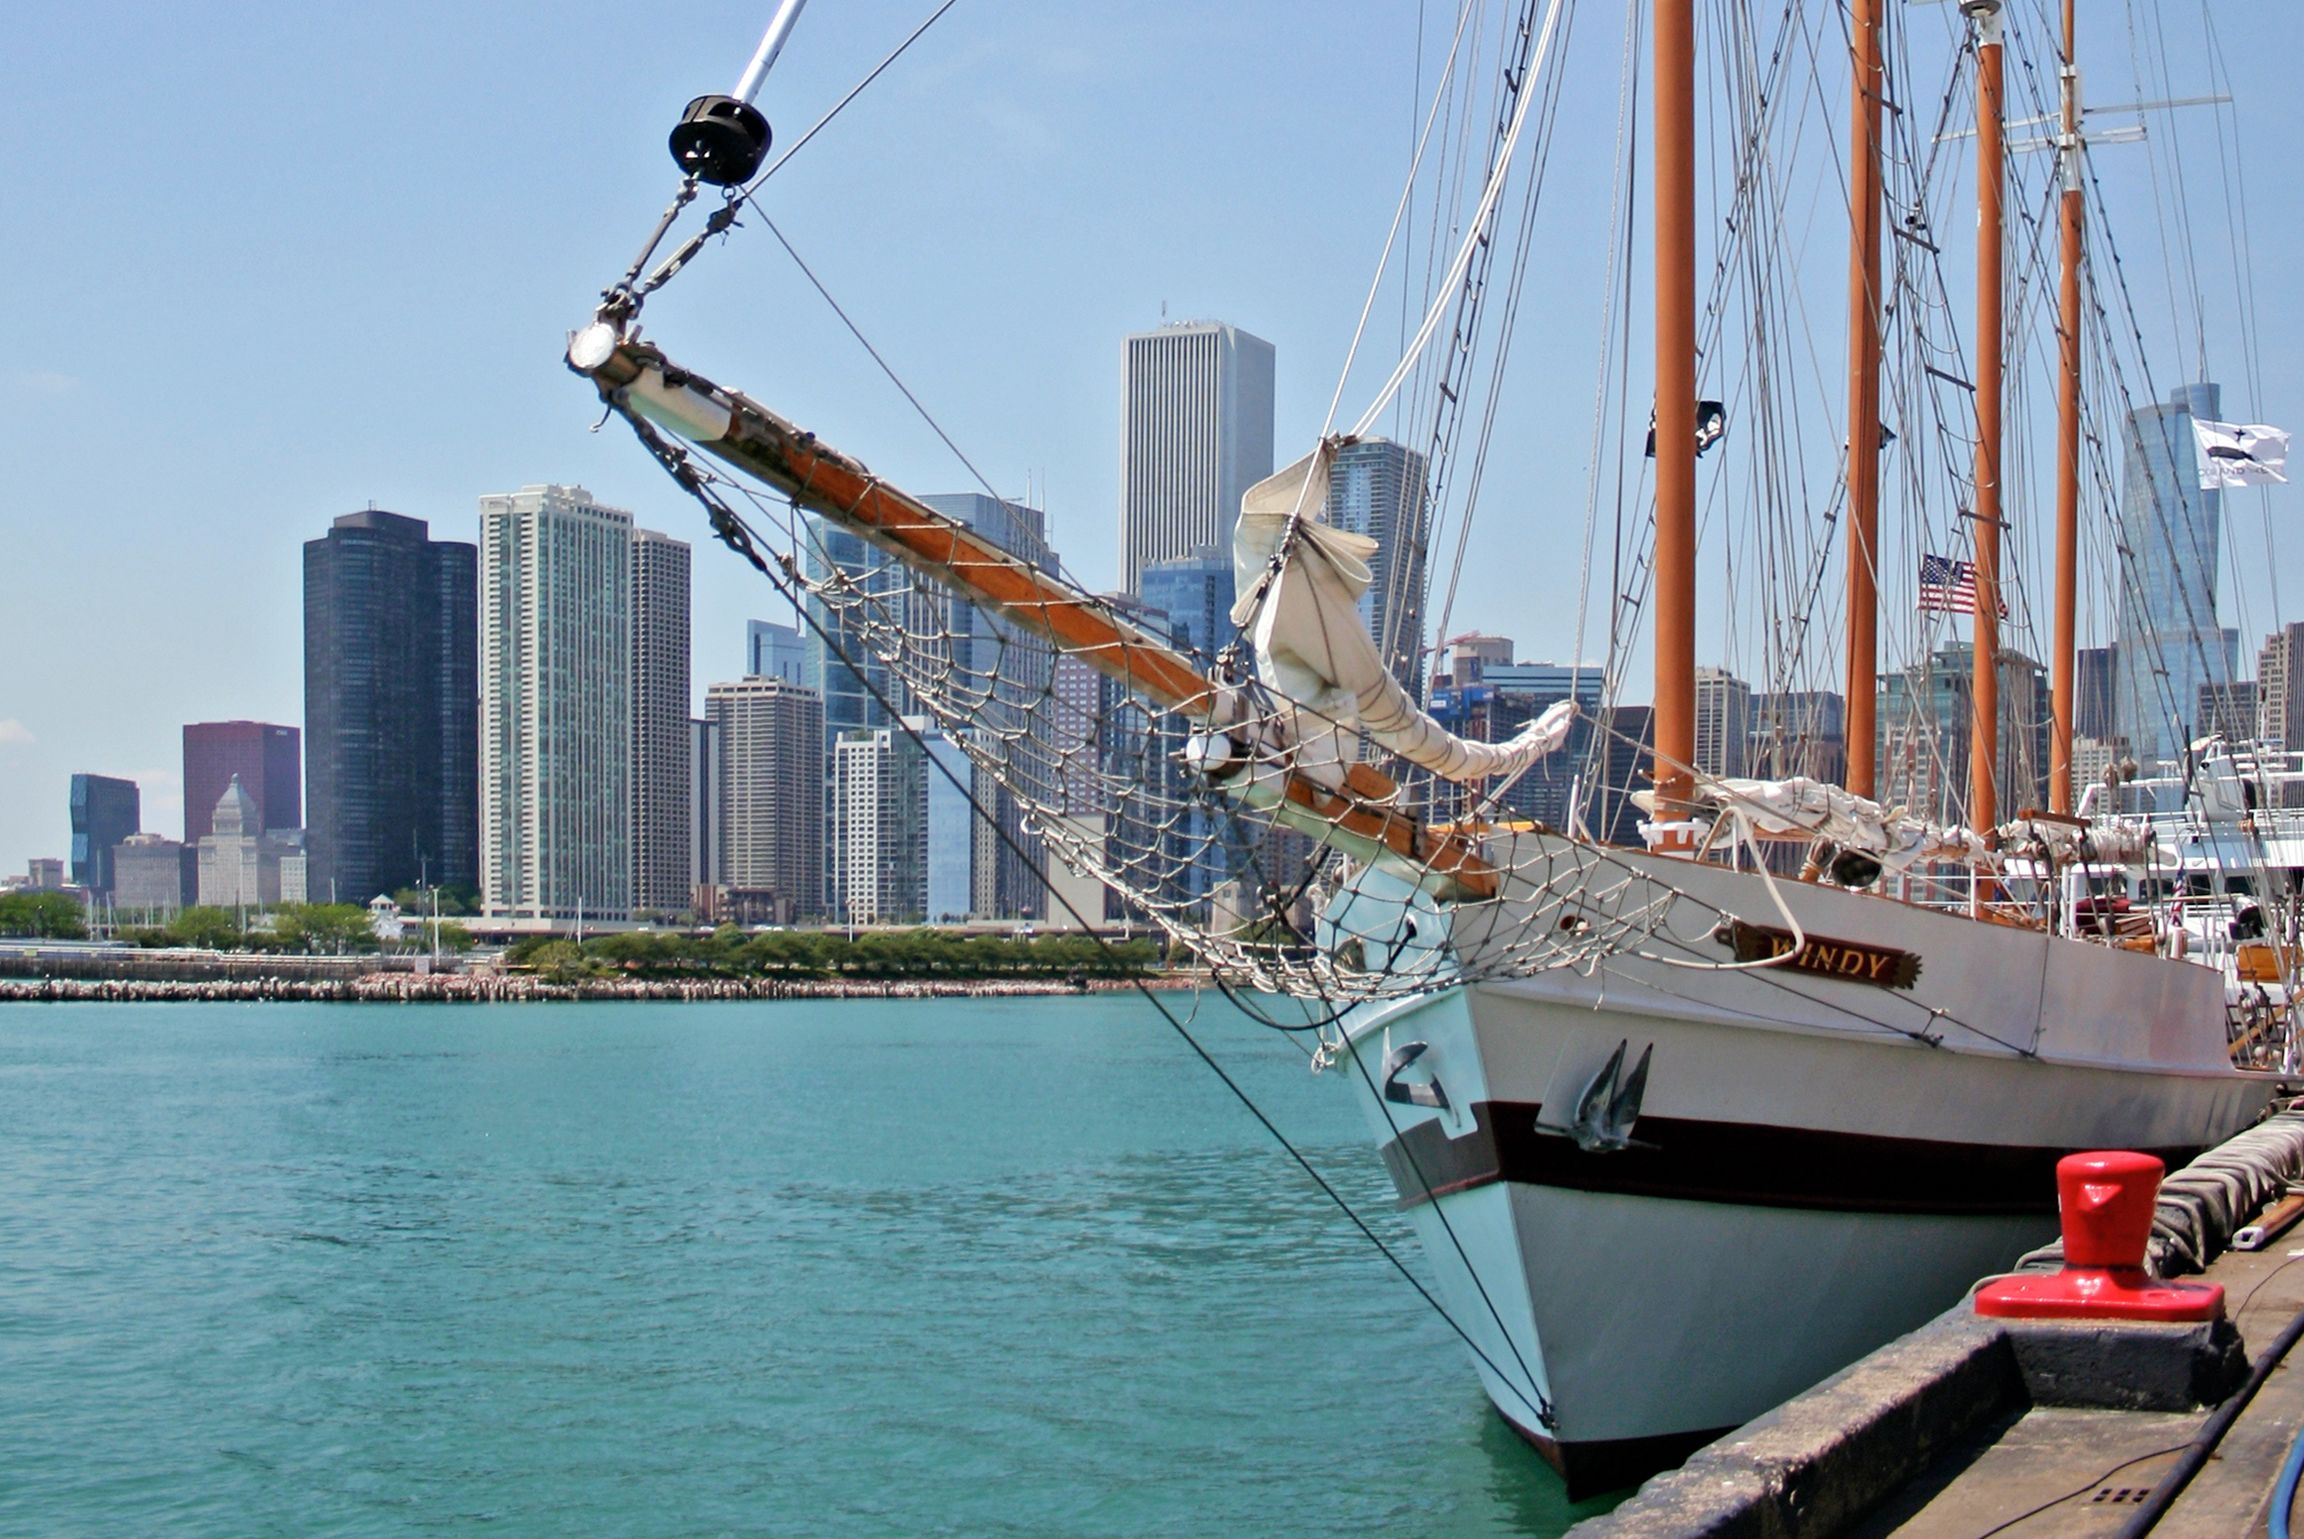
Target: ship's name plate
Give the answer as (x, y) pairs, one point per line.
(1855, 961)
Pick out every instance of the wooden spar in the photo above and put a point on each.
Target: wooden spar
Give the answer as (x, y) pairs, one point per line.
(1675, 406)
(1991, 167)
(1863, 673)
(1361, 819)
(2063, 697)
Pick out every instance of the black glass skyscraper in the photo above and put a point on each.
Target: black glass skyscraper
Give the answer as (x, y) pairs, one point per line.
(104, 812)
(391, 708)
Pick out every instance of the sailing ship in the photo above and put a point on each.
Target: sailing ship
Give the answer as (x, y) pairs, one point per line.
(1683, 1127)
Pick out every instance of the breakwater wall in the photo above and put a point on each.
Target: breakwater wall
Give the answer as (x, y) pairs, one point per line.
(186, 966)
(516, 988)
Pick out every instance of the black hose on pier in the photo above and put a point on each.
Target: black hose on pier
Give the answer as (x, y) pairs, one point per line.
(2204, 1443)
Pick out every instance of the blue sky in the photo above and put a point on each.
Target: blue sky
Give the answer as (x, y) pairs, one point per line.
(270, 263)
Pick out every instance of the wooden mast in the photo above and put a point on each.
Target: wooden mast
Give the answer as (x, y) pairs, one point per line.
(2062, 708)
(1863, 674)
(1675, 84)
(1984, 688)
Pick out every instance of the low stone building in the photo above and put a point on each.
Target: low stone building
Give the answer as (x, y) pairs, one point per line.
(148, 876)
(244, 867)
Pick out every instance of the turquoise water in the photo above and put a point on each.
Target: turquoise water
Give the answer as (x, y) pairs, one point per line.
(859, 1268)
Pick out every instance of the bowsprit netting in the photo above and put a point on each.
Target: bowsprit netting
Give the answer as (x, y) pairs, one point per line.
(1248, 846)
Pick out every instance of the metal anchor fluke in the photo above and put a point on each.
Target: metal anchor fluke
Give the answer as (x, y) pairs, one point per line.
(1609, 1106)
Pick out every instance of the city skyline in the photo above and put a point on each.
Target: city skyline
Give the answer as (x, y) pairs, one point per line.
(1056, 115)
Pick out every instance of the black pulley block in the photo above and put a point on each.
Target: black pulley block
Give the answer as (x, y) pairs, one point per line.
(720, 140)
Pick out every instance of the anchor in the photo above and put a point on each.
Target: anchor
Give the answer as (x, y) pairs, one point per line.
(1407, 1092)
(1609, 1106)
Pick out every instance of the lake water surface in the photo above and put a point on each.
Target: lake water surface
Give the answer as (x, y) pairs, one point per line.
(1001, 1267)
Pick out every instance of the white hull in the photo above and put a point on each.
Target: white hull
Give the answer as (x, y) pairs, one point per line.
(1835, 1161)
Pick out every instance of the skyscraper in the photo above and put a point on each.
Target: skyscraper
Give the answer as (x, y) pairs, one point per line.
(1378, 488)
(662, 639)
(1622, 759)
(770, 735)
(1927, 725)
(1010, 668)
(1016, 670)
(1799, 732)
(1515, 694)
(1195, 593)
(841, 665)
(960, 853)
(2228, 709)
(879, 826)
(1196, 432)
(2092, 692)
(1723, 722)
(555, 705)
(707, 803)
(908, 834)
(391, 707)
(773, 651)
(857, 688)
(2170, 643)
(268, 761)
(105, 811)
(2280, 689)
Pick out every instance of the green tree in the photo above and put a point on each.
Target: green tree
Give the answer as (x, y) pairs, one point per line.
(558, 961)
(417, 902)
(522, 952)
(452, 936)
(42, 916)
(323, 927)
(205, 929)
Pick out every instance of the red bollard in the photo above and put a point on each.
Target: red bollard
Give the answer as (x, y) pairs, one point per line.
(2106, 1200)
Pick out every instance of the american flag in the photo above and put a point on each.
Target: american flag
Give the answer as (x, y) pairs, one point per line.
(1947, 586)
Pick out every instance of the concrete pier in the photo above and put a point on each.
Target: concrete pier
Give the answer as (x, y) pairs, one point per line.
(2038, 1430)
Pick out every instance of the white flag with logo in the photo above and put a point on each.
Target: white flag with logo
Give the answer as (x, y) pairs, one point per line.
(2233, 454)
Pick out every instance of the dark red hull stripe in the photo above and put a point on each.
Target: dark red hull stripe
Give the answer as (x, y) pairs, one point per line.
(1742, 1163)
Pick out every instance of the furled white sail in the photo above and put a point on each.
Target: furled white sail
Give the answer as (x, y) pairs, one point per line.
(2110, 841)
(1802, 806)
(1299, 607)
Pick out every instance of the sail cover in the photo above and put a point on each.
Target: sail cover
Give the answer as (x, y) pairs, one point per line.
(1799, 805)
(1300, 581)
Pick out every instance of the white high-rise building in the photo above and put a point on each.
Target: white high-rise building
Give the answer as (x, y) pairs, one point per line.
(908, 840)
(1723, 722)
(770, 735)
(1196, 432)
(555, 705)
(878, 832)
(662, 838)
